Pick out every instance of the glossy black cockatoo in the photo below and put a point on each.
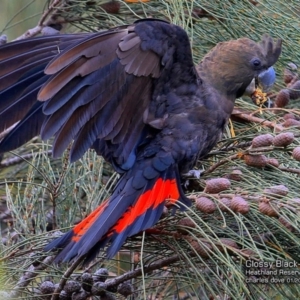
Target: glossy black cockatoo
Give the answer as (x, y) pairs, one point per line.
(134, 95)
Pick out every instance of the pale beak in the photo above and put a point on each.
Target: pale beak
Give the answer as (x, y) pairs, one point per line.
(264, 81)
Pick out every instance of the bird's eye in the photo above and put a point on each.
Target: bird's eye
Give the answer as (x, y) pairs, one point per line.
(256, 62)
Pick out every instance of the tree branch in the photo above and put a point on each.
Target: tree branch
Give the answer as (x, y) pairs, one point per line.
(42, 22)
(147, 268)
(250, 118)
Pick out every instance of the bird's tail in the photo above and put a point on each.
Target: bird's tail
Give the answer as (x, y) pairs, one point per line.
(136, 204)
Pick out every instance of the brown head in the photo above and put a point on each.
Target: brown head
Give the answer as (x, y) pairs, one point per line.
(231, 66)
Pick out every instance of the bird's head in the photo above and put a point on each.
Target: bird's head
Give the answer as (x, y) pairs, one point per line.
(231, 66)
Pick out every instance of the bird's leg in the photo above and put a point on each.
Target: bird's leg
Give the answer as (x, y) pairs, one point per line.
(191, 174)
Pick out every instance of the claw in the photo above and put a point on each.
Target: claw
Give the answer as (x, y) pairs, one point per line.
(186, 183)
(193, 173)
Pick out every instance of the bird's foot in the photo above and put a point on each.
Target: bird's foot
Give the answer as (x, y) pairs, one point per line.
(191, 174)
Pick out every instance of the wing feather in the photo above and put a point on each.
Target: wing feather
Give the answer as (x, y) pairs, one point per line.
(95, 87)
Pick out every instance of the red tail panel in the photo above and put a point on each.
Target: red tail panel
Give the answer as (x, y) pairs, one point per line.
(162, 190)
(136, 204)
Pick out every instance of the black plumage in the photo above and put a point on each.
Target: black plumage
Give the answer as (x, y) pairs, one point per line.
(133, 94)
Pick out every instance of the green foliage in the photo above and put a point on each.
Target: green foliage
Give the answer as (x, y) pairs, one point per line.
(43, 193)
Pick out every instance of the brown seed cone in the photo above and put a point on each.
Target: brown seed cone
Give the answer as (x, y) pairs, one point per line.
(263, 140)
(226, 242)
(64, 296)
(82, 295)
(216, 185)
(291, 123)
(288, 76)
(248, 252)
(295, 90)
(266, 209)
(273, 162)
(224, 204)
(277, 191)
(100, 275)
(286, 224)
(185, 224)
(205, 205)
(72, 286)
(204, 249)
(289, 116)
(258, 161)
(283, 97)
(240, 205)
(283, 139)
(236, 175)
(125, 289)
(47, 287)
(99, 289)
(111, 7)
(296, 153)
(87, 281)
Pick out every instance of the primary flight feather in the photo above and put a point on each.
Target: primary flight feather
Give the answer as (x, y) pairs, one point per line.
(134, 95)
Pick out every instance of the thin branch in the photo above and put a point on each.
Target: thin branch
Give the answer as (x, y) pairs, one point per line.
(147, 268)
(150, 267)
(65, 278)
(242, 145)
(290, 170)
(49, 11)
(251, 151)
(221, 162)
(30, 33)
(42, 22)
(241, 114)
(16, 160)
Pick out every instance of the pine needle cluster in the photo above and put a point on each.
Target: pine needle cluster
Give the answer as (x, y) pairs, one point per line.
(246, 203)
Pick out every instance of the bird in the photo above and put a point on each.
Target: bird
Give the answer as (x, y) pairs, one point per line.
(134, 95)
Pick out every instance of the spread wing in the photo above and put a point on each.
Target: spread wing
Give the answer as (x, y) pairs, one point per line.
(93, 89)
